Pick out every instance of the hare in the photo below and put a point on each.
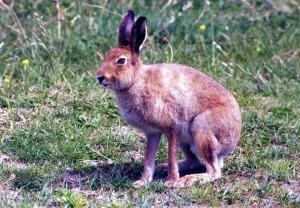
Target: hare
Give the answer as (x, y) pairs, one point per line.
(192, 110)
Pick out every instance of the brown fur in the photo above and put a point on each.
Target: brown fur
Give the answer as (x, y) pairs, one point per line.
(194, 111)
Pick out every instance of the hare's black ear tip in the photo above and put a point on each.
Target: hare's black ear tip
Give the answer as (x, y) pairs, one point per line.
(130, 12)
(141, 19)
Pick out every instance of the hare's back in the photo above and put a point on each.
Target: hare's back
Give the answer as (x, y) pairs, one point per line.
(183, 79)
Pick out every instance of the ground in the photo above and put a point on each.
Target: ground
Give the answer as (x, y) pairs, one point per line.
(63, 142)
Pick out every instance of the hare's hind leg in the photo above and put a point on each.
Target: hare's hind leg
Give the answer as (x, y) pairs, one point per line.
(190, 162)
(208, 147)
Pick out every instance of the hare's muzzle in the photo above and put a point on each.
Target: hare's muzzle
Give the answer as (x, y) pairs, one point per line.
(100, 79)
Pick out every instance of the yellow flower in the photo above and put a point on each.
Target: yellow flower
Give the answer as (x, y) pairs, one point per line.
(6, 80)
(25, 62)
(202, 27)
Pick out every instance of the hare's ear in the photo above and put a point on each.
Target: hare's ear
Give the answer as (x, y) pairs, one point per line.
(126, 28)
(138, 35)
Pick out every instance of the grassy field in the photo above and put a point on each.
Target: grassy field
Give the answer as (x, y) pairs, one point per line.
(63, 142)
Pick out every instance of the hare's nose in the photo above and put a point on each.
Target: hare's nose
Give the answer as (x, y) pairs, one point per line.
(100, 79)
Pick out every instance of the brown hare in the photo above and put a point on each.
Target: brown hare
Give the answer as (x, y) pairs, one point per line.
(192, 110)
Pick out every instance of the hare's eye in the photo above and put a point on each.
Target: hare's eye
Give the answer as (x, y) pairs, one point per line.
(121, 61)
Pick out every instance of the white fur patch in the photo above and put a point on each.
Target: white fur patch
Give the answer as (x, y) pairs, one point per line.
(141, 46)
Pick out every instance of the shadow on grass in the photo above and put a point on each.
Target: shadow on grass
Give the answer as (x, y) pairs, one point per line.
(107, 176)
(121, 176)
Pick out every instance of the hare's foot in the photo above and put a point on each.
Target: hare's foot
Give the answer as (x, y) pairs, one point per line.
(140, 183)
(170, 182)
(189, 180)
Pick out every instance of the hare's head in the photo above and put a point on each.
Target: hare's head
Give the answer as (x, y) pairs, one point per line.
(122, 63)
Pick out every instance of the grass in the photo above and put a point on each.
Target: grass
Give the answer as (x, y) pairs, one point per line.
(63, 143)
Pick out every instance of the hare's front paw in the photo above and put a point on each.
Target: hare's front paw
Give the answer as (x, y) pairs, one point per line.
(170, 183)
(171, 180)
(139, 183)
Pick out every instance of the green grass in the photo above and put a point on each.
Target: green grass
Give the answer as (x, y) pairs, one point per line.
(63, 143)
